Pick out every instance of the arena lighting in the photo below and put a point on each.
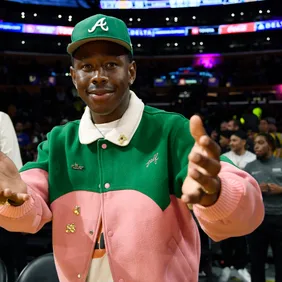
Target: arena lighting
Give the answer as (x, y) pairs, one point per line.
(207, 61)
(158, 4)
(151, 32)
(131, 4)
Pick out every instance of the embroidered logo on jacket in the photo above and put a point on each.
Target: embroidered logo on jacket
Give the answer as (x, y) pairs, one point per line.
(153, 160)
(77, 167)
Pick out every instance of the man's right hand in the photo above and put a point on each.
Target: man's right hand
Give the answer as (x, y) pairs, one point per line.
(264, 187)
(12, 187)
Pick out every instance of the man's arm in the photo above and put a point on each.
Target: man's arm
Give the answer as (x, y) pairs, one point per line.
(239, 208)
(8, 141)
(34, 213)
(29, 191)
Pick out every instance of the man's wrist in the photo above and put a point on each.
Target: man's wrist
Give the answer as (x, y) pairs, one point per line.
(211, 199)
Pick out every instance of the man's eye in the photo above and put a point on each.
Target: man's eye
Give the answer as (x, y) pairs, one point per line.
(111, 65)
(87, 67)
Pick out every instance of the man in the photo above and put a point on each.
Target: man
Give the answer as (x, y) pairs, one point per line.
(223, 126)
(23, 138)
(267, 171)
(224, 141)
(234, 250)
(268, 125)
(116, 184)
(272, 128)
(233, 125)
(238, 154)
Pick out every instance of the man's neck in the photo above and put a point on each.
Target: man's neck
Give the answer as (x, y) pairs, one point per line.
(241, 152)
(115, 115)
(266, 158)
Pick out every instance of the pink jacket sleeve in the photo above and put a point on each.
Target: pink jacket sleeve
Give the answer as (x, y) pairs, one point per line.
(33, 214)
(239, 209)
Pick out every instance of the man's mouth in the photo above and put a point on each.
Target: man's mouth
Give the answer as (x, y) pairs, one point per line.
(100, 92)
(100, 96)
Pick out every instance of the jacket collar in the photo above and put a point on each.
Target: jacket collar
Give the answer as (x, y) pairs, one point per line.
(124, 131)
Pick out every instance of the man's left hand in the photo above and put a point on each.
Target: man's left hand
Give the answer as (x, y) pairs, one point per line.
(274, 188)
(202, 184)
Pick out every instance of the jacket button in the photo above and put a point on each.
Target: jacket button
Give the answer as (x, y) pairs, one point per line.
(78, 276)
(120, 280)
(110, 233)
(107, 185)
(91, 232)
(104, 146)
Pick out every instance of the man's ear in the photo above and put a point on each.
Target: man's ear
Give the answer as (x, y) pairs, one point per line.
(73, 76)
(132, 72)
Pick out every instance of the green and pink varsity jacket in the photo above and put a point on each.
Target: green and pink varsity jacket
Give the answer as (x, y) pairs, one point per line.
(131, 181)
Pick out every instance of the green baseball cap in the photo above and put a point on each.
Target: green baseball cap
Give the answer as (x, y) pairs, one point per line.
(100, 27)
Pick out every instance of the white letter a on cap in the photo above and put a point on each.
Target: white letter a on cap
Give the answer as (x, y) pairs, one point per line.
(100, 23)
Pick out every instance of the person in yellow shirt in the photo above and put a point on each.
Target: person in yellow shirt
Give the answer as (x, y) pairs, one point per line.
(268, 125)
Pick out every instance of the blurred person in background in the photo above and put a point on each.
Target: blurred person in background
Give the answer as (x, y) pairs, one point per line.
(234, 250)
(224, 141)
(263, 126)
(223, 126)
(23, 138)
(267, 170)
(233, 125)
(277, 135)
(214, 135)
(268, 125)
(12, 245)
(8, 140)
(238, 154)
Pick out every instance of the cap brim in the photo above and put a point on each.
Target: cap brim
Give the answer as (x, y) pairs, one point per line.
(72, 47)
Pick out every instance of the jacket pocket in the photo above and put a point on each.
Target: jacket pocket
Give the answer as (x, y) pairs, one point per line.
(178, 268)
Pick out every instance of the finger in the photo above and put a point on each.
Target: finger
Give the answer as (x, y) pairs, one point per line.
(194, 197)
(197, 128)
(210, 146)
(19, 197)
(210, 185)
(7, 193)
(16, 197)
(211, 166)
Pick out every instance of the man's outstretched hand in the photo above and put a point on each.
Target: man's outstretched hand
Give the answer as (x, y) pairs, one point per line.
(12, 186)
(202, 184)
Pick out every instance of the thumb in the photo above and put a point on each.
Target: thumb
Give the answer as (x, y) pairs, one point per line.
(197, 128)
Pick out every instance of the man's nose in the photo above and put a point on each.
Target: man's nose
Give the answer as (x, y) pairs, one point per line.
(99, 77)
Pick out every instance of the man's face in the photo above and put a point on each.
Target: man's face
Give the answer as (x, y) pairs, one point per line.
(223, 126)
(261, 147)
(223, 141)
(236, 143)
(231, 126)
(263, 126)
(19, 127)
(102, 75)
(272, 127)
